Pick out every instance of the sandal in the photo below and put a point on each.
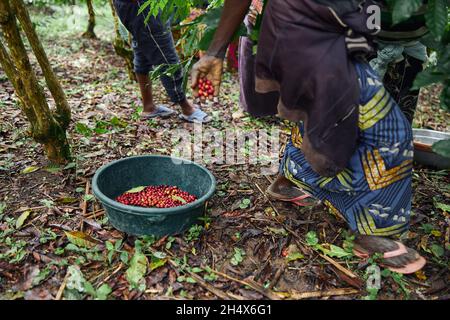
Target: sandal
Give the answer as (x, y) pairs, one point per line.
(284, 190)
(198, 116)
(396, 256)
(161, 111)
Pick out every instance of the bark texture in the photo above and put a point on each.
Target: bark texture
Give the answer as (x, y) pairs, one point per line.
(44, 126)
(91, 21)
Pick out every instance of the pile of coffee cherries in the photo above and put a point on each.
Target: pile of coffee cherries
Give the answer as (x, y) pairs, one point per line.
(162, 196)
(205, 88)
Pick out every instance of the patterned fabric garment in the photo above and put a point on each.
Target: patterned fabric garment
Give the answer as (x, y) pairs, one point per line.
(373, 194)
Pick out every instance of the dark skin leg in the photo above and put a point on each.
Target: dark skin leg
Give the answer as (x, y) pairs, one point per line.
(145, 85)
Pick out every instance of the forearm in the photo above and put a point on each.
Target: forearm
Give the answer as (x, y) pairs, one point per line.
(233, 14)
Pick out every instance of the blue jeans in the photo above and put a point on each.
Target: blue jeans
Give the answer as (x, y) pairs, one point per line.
(152, 45)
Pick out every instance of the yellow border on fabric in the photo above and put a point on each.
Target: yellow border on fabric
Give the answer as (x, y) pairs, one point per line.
(377, 176)
(296, 137)
(288, 175)
(375, 110)
(388, 231)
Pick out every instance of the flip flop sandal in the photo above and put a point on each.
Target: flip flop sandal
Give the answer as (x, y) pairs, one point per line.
(402, 250)
(297, 200)
(197, 117)
(161, 111)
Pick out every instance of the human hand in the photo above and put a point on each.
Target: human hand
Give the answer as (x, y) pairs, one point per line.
(208, 67)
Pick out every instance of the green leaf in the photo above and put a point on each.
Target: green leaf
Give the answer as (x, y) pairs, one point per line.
(403, 9)
(335, 251)
(2, 207)
(160, 255)
(53, 168)
(278, 231)
(238, 256)
(157, 263)
(103, 292)
(136, 190)
(75, 280)
(207, 38)
(428, 77)
(311, 238)
(83, 129)
(294, 256)
(445, 95)
(116, 122)
(29, 169)
(110, 256)
(175, 197)
(442, 148)
(20, 221)
(109, 246)
(81, 239)
(437, 17)
(197, 270)
(70, 166)
(190, 280)
(67, 200)
(117, 244)
(137, 270)
(437, 250)
(427, 228)
(89, 289)
(124, 257)
(88, 197)
(444, 207)
(47, 203)
(43, 274)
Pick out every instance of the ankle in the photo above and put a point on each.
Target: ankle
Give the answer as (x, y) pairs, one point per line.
(150, 107)
(187, 107)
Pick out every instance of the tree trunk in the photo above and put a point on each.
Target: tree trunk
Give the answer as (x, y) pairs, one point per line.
(121, 47)
(91, 21)
(44, 127)
(62, 113)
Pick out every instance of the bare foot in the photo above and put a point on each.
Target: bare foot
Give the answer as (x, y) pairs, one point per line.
(187, 107)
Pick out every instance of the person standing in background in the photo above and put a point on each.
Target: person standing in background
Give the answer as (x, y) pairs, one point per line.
(401, 56)
(153, 46)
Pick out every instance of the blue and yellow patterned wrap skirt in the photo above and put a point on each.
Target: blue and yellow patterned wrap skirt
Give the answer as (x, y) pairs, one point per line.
(373, 194)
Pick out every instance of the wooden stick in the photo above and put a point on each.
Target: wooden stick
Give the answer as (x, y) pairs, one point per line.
(319, 294)
(267, 198)
(339, 266)
(219, 293)
(252, 284)
(95, 214)
(222, 295)
(84, 204)
(109, 277)
(330, 260)
(62, 287)
(276, 278)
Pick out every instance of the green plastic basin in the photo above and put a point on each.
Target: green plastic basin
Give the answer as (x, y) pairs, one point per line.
(116, 177)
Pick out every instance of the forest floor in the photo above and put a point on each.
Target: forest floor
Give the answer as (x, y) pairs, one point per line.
(246, 247)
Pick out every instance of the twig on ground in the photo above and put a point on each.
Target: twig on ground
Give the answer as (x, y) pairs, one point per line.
(84, 204)
(62, 287)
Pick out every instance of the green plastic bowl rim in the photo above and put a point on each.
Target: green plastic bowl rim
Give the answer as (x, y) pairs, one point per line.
(145, 211)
